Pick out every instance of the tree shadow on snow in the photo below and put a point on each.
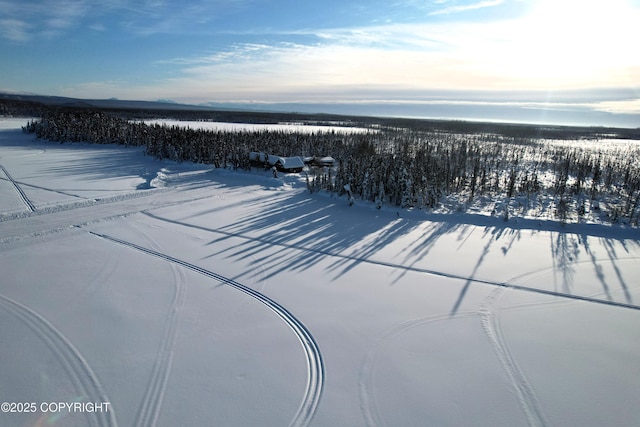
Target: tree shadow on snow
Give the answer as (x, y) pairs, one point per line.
(294, 231)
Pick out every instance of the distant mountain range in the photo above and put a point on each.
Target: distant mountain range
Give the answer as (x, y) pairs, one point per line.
(12, 102)
(103, 103)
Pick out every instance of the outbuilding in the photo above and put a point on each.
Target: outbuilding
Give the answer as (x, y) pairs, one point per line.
(320, 162)
(324, 161)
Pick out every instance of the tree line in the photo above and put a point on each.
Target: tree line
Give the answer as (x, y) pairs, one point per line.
(408, 168)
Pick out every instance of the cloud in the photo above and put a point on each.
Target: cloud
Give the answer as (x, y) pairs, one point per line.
(122, 89)
(98, 27)
(510, 55)
(55, 18)
(466, 7)
(160, 17)
(14, 30)
(46, 18)
(394, 60)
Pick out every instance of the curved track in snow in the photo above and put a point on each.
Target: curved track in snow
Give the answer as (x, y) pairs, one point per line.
(315, 364)
(154, 395)
(366, 377)
(21, 193)
(79, 371)
(524, 390)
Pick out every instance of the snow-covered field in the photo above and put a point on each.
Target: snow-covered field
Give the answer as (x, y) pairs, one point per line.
(186, 296)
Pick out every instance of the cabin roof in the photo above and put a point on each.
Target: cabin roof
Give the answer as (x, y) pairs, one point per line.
(288, 162)
(285, 163)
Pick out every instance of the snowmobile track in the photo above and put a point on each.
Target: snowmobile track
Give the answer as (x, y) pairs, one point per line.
(72, 361)
(524, 391)
(21, 193)
(366, 375)
(315, 364)
(152, 402)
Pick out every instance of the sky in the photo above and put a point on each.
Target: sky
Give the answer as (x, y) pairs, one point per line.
(540, 61)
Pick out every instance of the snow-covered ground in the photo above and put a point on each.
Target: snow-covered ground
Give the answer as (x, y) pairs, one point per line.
(186, 295)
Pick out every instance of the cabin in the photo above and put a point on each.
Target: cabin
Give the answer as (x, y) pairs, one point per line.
(283, 164)
(287, 164)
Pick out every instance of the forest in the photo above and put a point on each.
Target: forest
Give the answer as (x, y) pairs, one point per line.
(571, 177)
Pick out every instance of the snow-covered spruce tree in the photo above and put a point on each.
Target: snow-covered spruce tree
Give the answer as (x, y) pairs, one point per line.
(366, 187)
(407, 191)
(474, 178)
(350, 198)
(596, 175)
(381, 195)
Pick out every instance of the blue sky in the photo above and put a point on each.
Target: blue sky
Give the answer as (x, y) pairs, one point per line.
(566, 61)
